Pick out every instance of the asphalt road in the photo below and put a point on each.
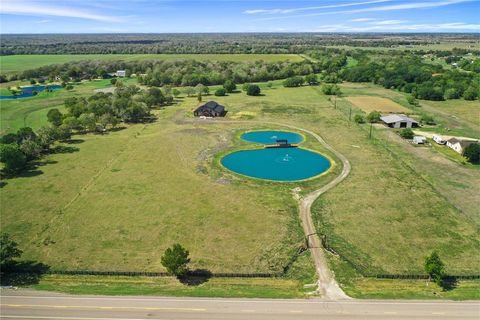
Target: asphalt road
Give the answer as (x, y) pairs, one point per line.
(46, 305)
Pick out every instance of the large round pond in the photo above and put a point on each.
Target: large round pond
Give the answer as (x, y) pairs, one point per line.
(280, 164)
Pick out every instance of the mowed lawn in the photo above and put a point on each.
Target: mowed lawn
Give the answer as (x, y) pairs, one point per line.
(122, 198)
(382, 105)
(15, 63)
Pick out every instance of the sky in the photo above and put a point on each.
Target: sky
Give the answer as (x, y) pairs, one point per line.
(179, 16)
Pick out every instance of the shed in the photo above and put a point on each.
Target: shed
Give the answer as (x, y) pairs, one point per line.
(121, 73)
(399, 121)
(210, 109)
(459, 145)
(419, 139)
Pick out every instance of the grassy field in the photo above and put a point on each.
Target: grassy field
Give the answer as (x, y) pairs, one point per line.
(123, 197)
(15, 63)
(371, 103)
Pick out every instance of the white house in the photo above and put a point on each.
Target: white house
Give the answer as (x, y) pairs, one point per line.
(459, 145)
(121, 73)
(438, 139)
(399, 121)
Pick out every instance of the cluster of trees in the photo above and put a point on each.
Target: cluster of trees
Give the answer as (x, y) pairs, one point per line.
(298, 81)
(408, 73)
(17, 149)
(204, 43)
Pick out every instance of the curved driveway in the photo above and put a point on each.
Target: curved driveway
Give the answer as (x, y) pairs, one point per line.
(327, 286)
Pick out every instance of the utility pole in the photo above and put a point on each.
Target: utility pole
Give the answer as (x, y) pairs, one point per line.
(350, 115)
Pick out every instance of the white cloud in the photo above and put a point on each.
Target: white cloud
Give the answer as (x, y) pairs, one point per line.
(404, 6)
(36, 9)
(454, 26)
(388, 22)
(42, 21)
(284, 11)
(362, 20)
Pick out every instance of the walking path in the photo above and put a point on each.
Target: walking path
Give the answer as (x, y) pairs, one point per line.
(327, 286)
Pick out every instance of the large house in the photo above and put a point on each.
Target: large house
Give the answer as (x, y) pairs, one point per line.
(399, 121)
(210, 109)
(459, 145)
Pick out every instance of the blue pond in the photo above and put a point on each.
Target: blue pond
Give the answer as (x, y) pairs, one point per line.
(30, 91)
(269, 137)
(280, 164)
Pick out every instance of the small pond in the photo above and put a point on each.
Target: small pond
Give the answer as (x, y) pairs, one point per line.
(27, 92)
(280, 164)
(271, 137)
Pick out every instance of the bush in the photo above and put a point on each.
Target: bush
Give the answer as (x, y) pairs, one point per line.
(470, 94)
(406, 133)
(220, 92)
(331, 89)
(435, 268)
(113, 81)
(69, 87)
(253, 90)
(472, 153)
(373, 116)
(293, 82)
(175, 260)
(229, 86)
(311, 79)
(359, 118)
(427, 119)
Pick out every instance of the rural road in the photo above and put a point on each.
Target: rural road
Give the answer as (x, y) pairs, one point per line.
(45, 305)
(327, 287)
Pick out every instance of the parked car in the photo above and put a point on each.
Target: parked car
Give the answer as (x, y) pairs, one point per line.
(438, 139)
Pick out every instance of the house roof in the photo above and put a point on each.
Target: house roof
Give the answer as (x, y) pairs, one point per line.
(397, 118)
(213, 106)
(463, 143)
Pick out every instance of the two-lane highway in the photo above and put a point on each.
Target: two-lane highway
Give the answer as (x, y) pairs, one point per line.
(42, 305)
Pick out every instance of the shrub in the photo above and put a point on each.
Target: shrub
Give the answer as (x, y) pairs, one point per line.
(331, 89)
(175, 260)
(253, 90)
(311, 79)
(472, 153)
(406, 133)
(427, 119)
(435, 268)
(12, 157)
(220, 92)
(359, 118)
(373, 116)
(293, 82)
(229, 86)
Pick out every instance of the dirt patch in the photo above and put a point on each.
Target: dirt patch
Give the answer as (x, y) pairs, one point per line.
(371, 103)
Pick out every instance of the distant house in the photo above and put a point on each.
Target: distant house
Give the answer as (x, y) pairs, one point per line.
(459, 145)
(419, 140)
(121, 73)
(399, 121)
(210, 109)
(438, 139)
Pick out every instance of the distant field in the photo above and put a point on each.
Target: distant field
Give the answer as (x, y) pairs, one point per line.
(371, 103)
(15, 63)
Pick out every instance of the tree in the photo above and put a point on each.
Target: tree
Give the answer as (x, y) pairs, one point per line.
(311, 79)
(175, 260)
(46, 136)
(71, 122)
(331, 89)
(373, 116)
(472, 153)
(88, 121)
(359, 118)
(31, 149)
(25, 133)
(8, 250)
(427, 119)
(69, 87)
(293, 82)
(64, 132)
(55, 117)
(434, 267)
(190, 91)
(471, 93)
(220, 92)
(229, 86)
(200, 88)
(176, 93)
(412, 101)
(253, 90)
(406, 133)
(12, 157)
(113, 81)
(199, 97)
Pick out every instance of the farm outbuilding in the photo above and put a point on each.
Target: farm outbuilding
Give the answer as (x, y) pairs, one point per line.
(210, 109)
(399, 121)
(419, 140)
(459, 145)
